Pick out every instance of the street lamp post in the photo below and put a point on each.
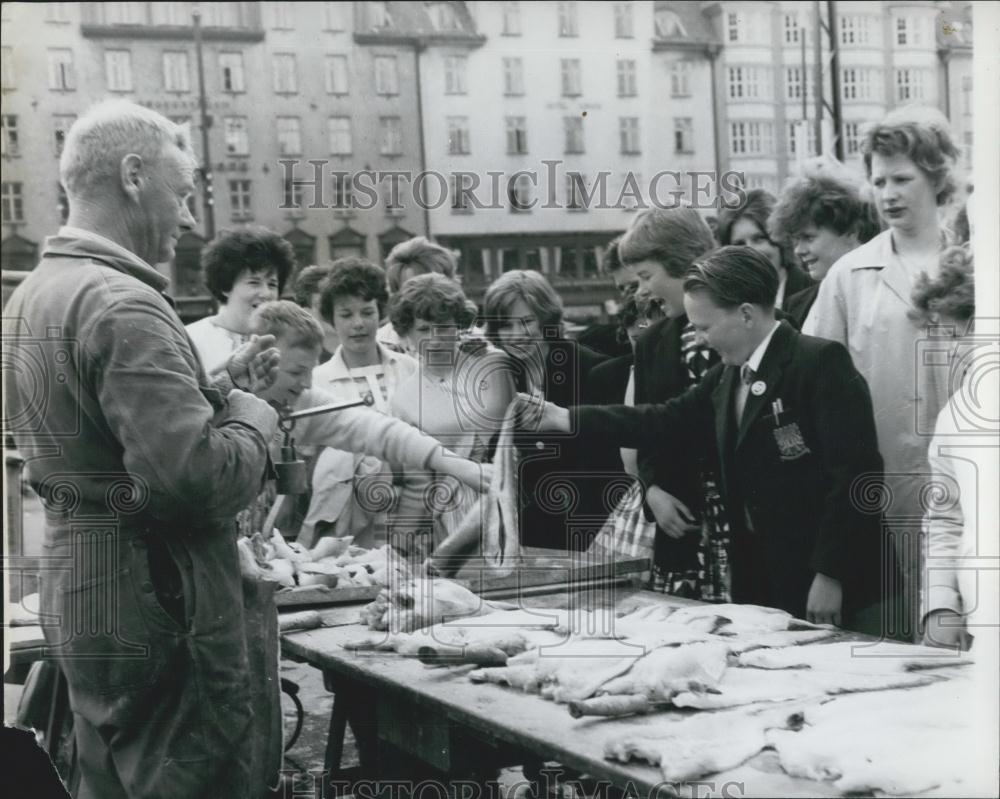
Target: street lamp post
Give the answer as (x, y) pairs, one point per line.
(206, 123)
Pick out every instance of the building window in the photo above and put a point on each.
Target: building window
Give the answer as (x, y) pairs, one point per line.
(573, 128)
(377, 14)
(792, 29)
(289, 136)
(810, 142)
(519, 194)
(285, 77)
(9, 139)
(683, 135)
(239, 199)
(335, 76)
(386, 75)
(901, 31)
(517, 136)
(171, 14)
(12, 202)
(124, 13)
(459, 199)
(849, 84)
(575, 191)
(571, 79)
(339, 135)
(749, 83)
(6, 68)
(283, 16)
(751, 138)
(734, 29)
(680, 79)
(291, 194)
(909, 85)
(454, 74)
(628, 135)
(511, 19)
(343, 192)
(568, 25)
(458, 136)
(333, 16)
(176, 77)
(231, 69)
(118, 66)
(390, 135)
(626, 79)
(624, 25)
(444, 17)
(237, 138)
(793, 83)
(668, 24)
(62, 73)
(513, 76)
(852, 138)
(57, 12)
(61, 123)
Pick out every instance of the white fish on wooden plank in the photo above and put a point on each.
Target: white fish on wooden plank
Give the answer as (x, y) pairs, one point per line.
(851, 656)
(572, 670)
(910, 741)
(744, 686)
(656, 678)
(740, 619)
(700, 745)
(775, 640)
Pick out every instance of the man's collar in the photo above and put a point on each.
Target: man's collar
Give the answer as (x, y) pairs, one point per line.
(111, 253)
(758, 354)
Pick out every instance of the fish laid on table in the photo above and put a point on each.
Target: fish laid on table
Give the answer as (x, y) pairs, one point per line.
(410, 604)
(486, 640)
(901, 742)
(656, 678)
(700, 745)
(738, 619)
(745, 686)
(573, 670)
(855, 657)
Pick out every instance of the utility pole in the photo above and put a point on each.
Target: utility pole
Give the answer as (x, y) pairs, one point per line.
(206, 123)
(838, 127)
(818, 75)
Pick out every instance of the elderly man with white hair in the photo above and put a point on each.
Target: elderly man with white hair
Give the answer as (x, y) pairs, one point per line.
(141, 464)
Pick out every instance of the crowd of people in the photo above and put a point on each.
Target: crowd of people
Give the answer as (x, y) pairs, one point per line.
(757, 423)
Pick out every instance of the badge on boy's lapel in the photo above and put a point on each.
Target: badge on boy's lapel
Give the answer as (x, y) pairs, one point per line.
(791, 445)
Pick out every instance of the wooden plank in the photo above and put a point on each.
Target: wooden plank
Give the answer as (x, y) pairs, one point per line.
(427, 698)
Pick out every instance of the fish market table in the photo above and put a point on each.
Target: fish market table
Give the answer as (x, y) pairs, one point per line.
(415, 722)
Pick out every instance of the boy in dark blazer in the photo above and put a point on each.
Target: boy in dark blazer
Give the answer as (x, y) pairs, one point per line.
(790, 420)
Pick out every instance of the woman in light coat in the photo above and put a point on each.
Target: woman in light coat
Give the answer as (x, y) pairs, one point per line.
(865, 304)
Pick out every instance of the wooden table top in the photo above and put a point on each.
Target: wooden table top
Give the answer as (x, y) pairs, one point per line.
(527, 720)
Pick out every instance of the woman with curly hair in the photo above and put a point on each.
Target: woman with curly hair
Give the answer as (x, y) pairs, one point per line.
(416, 256)
(458, 396)
(865, 303)
(352, 300)
(825, 215)
(243, 269)
(747, 226)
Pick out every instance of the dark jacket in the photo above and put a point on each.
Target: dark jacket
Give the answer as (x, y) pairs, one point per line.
(796, 477)
(561, 480)
(797, 306)
(798, 280)
(608, 381)
(603, 338)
